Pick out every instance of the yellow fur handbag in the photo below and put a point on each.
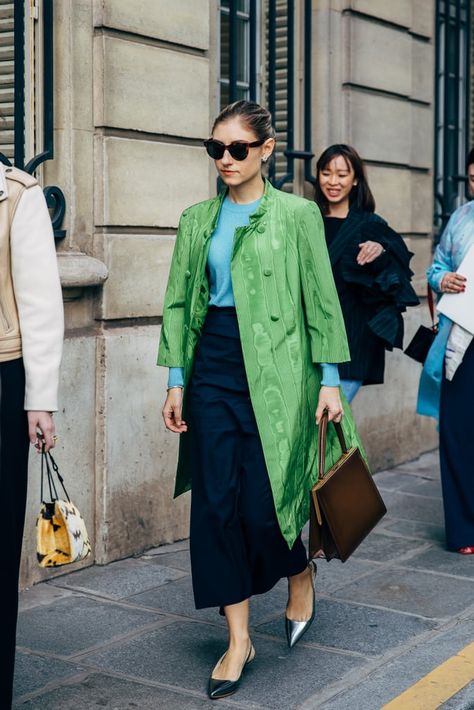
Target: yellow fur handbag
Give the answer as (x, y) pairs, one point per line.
(61, 535)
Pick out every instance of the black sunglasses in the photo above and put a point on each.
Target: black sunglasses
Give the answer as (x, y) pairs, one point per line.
(238, 149)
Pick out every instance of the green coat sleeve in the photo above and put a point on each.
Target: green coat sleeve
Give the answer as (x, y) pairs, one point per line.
(171, 349)
(324, 318)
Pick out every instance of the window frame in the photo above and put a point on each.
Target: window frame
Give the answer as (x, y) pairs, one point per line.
(250, 86)
(452, 105)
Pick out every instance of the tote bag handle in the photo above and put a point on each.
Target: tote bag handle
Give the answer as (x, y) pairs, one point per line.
(322, 435)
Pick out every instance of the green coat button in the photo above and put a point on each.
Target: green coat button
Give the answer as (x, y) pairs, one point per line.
(187, 274)
(275, 317)
(267, 272)
(261, 229)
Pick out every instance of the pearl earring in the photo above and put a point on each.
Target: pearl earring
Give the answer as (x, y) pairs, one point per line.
(264, 159)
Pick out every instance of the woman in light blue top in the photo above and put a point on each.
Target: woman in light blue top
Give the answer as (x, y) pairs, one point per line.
(449, 397)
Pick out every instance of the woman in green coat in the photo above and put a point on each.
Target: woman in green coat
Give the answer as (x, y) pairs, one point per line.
(252, 333)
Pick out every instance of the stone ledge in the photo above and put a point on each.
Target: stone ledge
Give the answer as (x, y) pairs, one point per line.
(78, 270)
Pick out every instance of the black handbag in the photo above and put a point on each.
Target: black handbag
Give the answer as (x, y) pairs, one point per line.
(420, 344)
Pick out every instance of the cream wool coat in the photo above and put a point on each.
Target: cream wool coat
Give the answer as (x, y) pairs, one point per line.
(31, 306)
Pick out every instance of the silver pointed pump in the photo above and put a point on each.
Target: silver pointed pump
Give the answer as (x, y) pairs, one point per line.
(296, 629)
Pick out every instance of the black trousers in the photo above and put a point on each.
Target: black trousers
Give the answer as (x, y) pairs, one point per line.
(13, 482)
(237, 548)
(456, 435)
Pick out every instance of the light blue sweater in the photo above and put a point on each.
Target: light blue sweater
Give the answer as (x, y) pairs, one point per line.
(233, 215)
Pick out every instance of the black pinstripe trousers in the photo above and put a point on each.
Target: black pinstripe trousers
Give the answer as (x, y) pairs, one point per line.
(13, 483)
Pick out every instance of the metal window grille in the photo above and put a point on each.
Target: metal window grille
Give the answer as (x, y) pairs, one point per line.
(453, 30)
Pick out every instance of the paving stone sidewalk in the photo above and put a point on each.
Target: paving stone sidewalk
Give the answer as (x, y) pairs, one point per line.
(127, 635)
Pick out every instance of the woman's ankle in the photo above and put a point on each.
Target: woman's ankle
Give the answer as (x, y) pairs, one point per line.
(240, 640)
(301, 576)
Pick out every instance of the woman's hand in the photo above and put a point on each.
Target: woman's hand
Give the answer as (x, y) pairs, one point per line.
(453, 283)
(41, 430)
(330, 399)
(368, 252)
(172, 410)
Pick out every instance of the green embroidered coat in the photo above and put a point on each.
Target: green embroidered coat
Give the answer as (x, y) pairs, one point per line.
(289, 319)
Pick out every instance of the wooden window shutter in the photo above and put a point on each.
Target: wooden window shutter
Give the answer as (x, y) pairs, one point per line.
(27, 13)
(281, 82)
(7, 82)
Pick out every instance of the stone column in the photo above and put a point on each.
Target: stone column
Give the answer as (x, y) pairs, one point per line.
(151, 112)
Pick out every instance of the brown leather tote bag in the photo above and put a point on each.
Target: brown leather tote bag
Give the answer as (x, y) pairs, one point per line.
(345, 502)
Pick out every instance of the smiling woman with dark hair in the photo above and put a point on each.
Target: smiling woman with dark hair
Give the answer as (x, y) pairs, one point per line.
(370, 263)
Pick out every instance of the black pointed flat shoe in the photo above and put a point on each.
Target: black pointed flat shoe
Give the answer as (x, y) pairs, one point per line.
(222, 688)
(296, 629)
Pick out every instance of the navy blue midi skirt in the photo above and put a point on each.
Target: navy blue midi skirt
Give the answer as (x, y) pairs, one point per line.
(236, 545)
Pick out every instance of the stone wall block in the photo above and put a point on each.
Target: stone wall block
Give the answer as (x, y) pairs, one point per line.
(391, 189)
(422, 199)
(400, 12)
(74, 454)
(422, 70)
(142, 85)
(147, 183)
(139, 267)
(423, 17)
(422, 249)
(185, 22)
(139, 511)
(379, 56)
(386, 414)
(404, 198)
(73, 64)
(422, 138)
(380, 126)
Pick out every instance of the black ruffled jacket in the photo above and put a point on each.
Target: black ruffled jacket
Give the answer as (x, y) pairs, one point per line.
(373, 297)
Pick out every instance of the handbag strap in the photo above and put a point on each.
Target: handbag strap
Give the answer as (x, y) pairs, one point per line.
(51, 486)
(47, 462)
(431, 304)
(322, 436)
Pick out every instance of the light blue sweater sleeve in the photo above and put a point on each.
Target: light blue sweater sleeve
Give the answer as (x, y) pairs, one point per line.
(330, 377)
(330, 372)
(176, 377)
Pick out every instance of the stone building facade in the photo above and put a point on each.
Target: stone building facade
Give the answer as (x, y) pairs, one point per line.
(136, 85)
